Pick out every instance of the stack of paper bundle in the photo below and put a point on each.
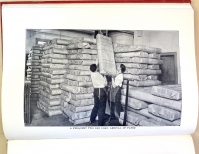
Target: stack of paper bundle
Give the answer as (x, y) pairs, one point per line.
(77, 89)
(106, 55)
(154, 106)
(34, 70)
(54, 65)
(142, 64)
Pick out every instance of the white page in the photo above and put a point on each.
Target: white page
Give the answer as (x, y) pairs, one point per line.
(140, 145)
(18, 18)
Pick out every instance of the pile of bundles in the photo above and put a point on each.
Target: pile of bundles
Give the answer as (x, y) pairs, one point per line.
(105, 55)
(153, 106)
(77, 88)
(34, 70)
(54, 64)
(142, 64)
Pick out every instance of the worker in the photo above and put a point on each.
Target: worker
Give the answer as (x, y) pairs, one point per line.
(99, 83)
(115, 93)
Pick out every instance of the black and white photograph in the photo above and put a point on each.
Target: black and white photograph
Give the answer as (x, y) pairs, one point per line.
(93, 77)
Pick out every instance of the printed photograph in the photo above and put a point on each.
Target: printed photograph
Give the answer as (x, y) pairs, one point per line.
(102, 78)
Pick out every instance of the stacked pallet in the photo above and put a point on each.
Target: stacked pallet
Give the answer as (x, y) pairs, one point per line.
(77, 89)
(34, 70)
(154, 106)
(54, 64)
(142, 64)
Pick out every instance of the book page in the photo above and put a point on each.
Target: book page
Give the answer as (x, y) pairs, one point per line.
(166, 30)
(152, 145)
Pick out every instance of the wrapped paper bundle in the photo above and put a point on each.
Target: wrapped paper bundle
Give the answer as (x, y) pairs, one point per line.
(80, 45)
(32, 67)
(146, 83)
(65, 98)
(77, 83)
(71, 52)
(105, 55)
(74, 89)
(93, 47)
(79, 56)
(79, 121)
(35, 54)
(44, 61)
(53, 76)
(57, 61)
(49, 96)
(57, 71)
(64, 103)
(142, 71)
(145, 95)
(132, 117)
(75, 116)
(56, 56)
(168, 91)
(129, 48)
(34, 58)
(134, 103)
(132, 54)
(152, 77)
(81, 62)
(123, 60)
(81, 96)
(34, 64)
(78, 78)
(54, 81)
(61, 41)
(135, 77)
(145, 113)
(127, 123)
(58, 66)
(56, 91)
(84, 39)
(150, 122)
(153, 67)
(83, 102)
(50, 102)
(35, 51)
(79, 67)
(154, 56)
(164, 112)
(58, 51)
(80, 108)
(133, 65)
(33, 76)
(79, 72)
(34, 73)
(47, 47)
(86, 51)
(33, 70)
(45, 69)
(48, 85)
(48, 107)
(34, 82)
(146, 60)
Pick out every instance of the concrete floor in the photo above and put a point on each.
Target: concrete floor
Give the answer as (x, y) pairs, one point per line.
(40, 118)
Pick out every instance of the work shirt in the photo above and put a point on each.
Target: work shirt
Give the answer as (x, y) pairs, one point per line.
(119, 80)
(98, 80)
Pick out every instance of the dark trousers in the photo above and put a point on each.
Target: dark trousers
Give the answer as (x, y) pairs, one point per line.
(116, 106)
(99, 106)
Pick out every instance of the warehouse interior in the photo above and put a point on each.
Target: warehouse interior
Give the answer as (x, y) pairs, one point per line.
(146, 105)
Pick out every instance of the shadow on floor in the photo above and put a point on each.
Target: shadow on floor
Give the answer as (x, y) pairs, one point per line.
(40, 118)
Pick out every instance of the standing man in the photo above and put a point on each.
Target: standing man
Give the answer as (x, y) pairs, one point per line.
(99, 83)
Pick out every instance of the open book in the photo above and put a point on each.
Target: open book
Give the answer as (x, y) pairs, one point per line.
(47, 90)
